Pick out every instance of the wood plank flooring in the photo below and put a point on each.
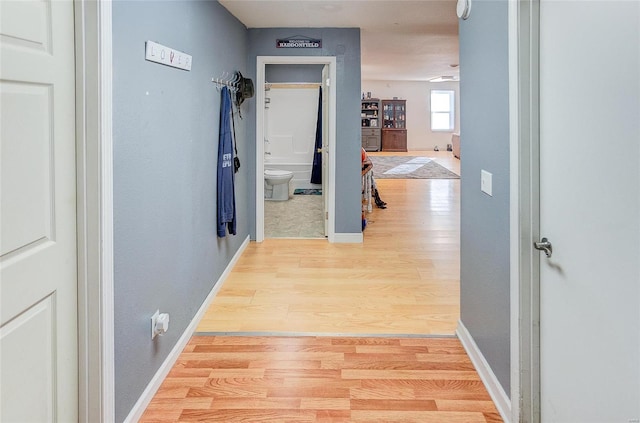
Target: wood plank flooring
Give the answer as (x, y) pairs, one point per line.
(322, 379)
(404, 278)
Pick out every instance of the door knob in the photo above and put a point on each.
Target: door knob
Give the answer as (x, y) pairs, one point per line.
(544, 245)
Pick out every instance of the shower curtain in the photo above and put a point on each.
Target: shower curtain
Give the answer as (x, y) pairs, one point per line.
(316, 169)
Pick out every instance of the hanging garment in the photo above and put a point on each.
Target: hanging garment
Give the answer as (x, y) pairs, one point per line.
(316, 169)
(226, 193)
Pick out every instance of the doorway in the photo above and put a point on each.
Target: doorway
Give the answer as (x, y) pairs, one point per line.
(329, 128)
(293, 134)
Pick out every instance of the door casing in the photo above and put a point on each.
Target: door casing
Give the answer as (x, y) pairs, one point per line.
(261, 62)
(94, 161)
(524, 22)
(95, 225)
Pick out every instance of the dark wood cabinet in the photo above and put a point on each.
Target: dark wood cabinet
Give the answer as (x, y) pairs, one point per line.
(394, 140)
(394, 132)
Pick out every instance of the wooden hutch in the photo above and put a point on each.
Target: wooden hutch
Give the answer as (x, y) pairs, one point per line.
(394, 125)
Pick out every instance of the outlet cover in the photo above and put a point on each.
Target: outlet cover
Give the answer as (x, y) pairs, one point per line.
(486, 184)
(154, 319)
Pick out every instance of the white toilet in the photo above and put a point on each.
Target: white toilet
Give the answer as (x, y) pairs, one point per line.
(276, 187)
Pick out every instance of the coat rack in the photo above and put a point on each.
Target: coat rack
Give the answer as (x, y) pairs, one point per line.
(227, 80)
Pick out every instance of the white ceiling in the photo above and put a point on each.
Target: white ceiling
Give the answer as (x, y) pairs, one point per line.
(401, 40)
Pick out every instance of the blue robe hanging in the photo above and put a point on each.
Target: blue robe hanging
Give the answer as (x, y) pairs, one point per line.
(226, 193)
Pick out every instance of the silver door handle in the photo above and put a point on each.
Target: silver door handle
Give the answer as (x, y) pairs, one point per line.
(544, 245)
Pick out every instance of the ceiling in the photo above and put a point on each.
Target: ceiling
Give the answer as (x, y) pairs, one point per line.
(400, 40)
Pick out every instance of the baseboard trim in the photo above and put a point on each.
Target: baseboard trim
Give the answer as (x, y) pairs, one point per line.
(147, 395)
(347, 238)
(497, 393)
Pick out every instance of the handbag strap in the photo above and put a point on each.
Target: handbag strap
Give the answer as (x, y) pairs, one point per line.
(233, 124)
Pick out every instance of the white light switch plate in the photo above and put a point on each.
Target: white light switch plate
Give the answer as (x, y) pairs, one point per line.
(485, 182)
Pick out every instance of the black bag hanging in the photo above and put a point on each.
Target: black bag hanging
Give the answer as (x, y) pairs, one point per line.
(236, 160)
(245, 89)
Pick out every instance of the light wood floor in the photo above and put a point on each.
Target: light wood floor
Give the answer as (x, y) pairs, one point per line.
(322, 379)
(404, 278)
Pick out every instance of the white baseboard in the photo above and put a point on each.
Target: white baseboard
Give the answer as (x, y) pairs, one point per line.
(147, 395)
(497, 393)
(348, 238)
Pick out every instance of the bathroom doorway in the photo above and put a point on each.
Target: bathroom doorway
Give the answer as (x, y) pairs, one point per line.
(286, 142)
(293, 204)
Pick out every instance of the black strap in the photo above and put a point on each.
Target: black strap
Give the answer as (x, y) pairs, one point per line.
(236, 160)
(233, 123)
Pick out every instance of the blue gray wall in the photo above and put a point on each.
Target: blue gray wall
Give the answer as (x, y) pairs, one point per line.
(293, 73)
(167, 254)
(484, 231)
(344, 43)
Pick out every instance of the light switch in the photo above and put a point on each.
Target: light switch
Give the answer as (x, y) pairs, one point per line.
(485, 182)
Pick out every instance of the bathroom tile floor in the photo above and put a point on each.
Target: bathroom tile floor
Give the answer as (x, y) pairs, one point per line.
(300, 217)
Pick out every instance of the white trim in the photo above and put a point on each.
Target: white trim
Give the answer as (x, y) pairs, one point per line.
(524, 208)
(147, 395)
(96, 376)
(261, 61)
(348, 238)
(106, 188)
(87, 374)
(260, 101)
(514, 214)
(498, 395)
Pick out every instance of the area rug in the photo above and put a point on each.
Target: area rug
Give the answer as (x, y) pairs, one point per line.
(409, 167)
(307, 191)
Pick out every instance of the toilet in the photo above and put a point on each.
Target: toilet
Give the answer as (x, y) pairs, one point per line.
(276, 186)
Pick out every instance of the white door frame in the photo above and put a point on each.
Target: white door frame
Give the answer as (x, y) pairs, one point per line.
(95, 201)
(261, 62)
(524, 23)
(94, 161)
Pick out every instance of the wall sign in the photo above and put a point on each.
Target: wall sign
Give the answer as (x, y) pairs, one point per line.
(164, 55)
(299, 42)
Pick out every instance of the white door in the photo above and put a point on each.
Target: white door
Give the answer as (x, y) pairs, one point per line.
(590, 211)
(38, 327)
(325, 146)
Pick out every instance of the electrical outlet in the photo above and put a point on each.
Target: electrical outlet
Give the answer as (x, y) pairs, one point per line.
(486, 183)
(159, 324)
(154, 319)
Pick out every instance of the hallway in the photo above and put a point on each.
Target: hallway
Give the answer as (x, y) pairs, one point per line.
(404, 278)
(346, 326)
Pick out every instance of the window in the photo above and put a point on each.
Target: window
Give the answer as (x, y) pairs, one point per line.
(442, 108)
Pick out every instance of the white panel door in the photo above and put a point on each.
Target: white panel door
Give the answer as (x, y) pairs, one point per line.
(590, 211)
(38, 327)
